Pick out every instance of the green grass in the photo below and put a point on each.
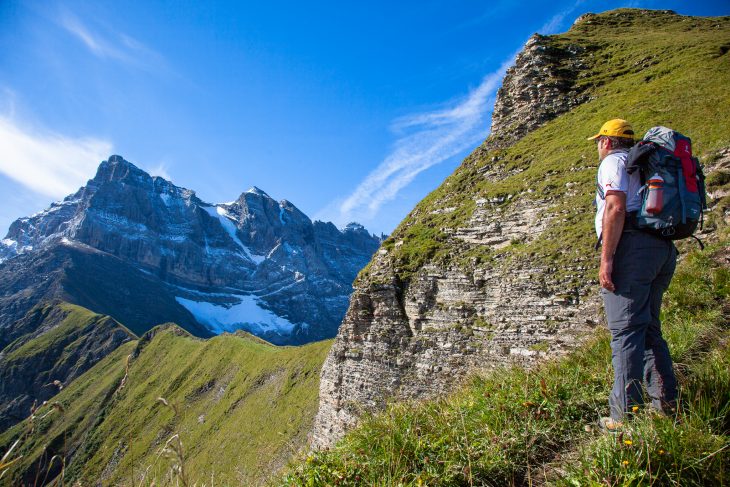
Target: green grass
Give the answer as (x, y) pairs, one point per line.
(76, 320)
(240, 406)
(511, 426)
(649, 69)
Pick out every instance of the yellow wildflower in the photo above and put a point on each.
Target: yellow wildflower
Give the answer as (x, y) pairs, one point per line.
(628, 442)
(625, 463)
(661, 452)
(635, 408)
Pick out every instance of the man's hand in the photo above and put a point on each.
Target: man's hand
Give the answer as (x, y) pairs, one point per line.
(604, 275)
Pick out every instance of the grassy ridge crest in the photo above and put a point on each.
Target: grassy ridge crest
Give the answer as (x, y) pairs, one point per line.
(239, 408)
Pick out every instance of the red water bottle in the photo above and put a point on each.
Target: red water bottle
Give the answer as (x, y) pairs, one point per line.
(655, 200)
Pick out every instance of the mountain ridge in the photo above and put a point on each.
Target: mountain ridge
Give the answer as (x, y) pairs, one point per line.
(241, 406)
(61, 342)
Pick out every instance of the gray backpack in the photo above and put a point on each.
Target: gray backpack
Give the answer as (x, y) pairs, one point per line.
(668, 154)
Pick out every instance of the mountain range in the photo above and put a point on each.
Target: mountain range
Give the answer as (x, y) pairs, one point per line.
(144, 251)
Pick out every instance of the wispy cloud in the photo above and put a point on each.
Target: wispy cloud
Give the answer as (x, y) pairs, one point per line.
(554, 24)
(425, 139)
(161, 169)
(428, 139)
(48, 163)
(113, 45)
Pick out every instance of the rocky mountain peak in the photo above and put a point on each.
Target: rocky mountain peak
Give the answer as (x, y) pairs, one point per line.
(354, 227)
(116, 168)
(541, 85)
(255, 190)
(291, 215)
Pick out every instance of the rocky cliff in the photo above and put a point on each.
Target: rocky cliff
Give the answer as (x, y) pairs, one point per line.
(145, 251)
(497, 265)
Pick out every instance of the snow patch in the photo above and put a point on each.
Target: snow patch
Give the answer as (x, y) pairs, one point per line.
(271, 252)
(10, 251)
(247, 314)
(226, 220)
(165, 198)
(80, 245)
(257, 191)
(283, 288)
(281, 215)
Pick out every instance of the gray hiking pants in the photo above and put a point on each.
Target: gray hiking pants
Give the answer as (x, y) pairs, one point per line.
(643, 266)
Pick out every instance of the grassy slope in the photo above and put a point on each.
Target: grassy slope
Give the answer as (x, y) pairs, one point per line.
(507, 427)
(516, 426)
(241, 408)
(61, 343)
(649, 69)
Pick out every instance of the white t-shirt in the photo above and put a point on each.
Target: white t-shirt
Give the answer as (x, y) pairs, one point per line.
(612, 176)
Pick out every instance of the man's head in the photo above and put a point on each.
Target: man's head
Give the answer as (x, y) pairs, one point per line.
(614, 135)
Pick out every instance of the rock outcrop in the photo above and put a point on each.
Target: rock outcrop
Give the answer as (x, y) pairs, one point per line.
(419, 338)
(541, 85)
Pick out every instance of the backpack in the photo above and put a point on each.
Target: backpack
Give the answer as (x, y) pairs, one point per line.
(668, 153)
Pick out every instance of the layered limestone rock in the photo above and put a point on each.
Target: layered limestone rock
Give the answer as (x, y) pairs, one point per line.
(541, 85)
(419, 339)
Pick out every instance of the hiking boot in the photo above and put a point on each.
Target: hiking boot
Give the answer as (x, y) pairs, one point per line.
(610, 425)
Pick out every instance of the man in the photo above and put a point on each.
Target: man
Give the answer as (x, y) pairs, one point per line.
(635, 270)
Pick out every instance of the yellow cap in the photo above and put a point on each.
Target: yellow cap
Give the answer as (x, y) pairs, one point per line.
(615, 128)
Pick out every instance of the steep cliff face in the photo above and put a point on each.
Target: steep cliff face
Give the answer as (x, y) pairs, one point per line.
(542, 84)
(254, 263)
(497, 265)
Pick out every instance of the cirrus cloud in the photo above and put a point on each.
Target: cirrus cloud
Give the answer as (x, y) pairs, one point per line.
(425, 140)
(48, 163)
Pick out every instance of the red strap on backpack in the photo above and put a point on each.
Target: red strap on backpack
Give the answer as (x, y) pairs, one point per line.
(683, 150)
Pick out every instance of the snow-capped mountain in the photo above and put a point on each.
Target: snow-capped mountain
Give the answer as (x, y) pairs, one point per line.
(144, 251)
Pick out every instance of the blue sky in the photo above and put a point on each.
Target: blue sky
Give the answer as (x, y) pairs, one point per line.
(353, 111)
